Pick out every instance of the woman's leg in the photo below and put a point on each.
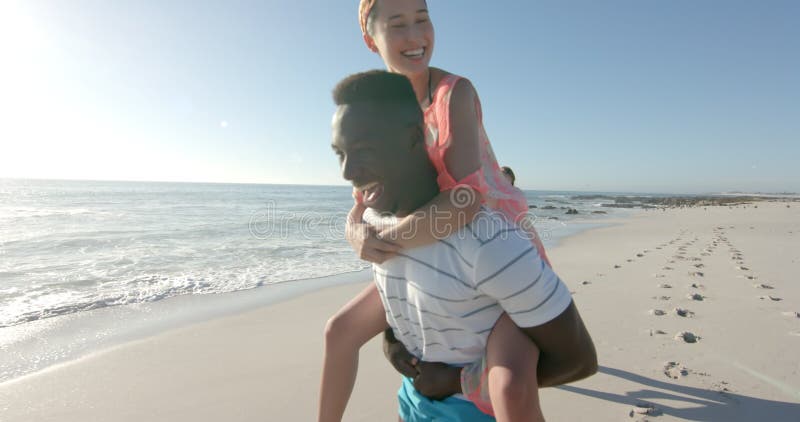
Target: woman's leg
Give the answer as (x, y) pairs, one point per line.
(511, 359)
(356, 323)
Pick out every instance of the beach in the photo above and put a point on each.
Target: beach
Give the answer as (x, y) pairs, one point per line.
(693, 311)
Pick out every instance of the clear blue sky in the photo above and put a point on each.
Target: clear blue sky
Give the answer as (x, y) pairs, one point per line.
(635, 95)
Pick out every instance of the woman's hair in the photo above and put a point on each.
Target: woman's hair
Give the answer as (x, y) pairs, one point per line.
(510, 173)
(366, 12)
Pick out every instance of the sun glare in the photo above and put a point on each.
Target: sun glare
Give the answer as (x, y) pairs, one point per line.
(19, 33)
(24, 83)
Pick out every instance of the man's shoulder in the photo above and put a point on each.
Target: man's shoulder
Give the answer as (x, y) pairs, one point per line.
(491, 227)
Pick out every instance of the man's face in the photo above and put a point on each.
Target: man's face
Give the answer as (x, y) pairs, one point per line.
(377, 154)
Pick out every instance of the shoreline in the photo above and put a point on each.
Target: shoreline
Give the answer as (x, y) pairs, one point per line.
(37, 346)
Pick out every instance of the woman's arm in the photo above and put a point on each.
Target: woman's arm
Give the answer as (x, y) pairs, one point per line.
(364, 238)
(457, 205)
(438, 219)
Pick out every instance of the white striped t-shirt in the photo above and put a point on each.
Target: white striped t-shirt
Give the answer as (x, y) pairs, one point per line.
(442, 300)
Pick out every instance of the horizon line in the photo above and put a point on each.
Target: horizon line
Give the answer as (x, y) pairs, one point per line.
(727, 192)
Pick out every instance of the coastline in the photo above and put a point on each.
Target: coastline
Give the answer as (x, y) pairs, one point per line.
(36, 345)
(264, 362)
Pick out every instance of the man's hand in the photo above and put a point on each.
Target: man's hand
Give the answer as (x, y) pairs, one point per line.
(364, 238)
(404, 362)
(437, 381)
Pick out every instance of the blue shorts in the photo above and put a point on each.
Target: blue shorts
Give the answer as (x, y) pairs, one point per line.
(414, 407)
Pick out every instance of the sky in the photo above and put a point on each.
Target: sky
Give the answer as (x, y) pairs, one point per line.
(678, 96)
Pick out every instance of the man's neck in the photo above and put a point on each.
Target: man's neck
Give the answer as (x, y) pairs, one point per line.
(423, 190)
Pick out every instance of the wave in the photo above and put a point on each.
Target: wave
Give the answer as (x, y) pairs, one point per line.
(45, 301)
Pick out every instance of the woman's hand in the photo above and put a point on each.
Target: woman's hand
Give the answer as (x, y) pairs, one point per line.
(364, 238)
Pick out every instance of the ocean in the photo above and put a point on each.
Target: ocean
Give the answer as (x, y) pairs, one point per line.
(69, 248)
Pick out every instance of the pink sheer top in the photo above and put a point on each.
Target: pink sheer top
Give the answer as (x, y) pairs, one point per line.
(498, 193)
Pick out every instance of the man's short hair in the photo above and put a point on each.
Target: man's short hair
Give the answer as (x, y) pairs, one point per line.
(377, 87)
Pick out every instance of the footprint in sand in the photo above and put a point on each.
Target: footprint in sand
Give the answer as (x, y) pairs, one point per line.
(657, 312)
(705, 254)
(675, 370)
(742, 268)
(639, 255)
(770, 297)
(630, 260)
(586, 282)
(791, 314)
(685, 313)
(763, 286)
(695, 296)
(656, 332)
(617, 266)
(695, 274)
(664, 286)
(687, 337)
(661, 297)
(720, 387)
(645, 409)
(668, 268)
(699, 265)
(750, 277)
(696, 286)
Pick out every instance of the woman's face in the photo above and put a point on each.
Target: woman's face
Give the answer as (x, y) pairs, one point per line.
(402, 33)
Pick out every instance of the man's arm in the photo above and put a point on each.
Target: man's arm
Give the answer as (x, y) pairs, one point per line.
(567, 351)
(567, 354)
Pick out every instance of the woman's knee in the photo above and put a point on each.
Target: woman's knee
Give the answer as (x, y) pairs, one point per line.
(342, 330)
(509, 386)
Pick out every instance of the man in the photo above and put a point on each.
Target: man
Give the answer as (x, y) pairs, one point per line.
(442, 300)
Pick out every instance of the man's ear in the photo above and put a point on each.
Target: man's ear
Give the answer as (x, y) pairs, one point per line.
(417, 137)
(370, 42)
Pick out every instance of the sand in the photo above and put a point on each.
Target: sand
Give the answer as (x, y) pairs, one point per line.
(693, 312)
